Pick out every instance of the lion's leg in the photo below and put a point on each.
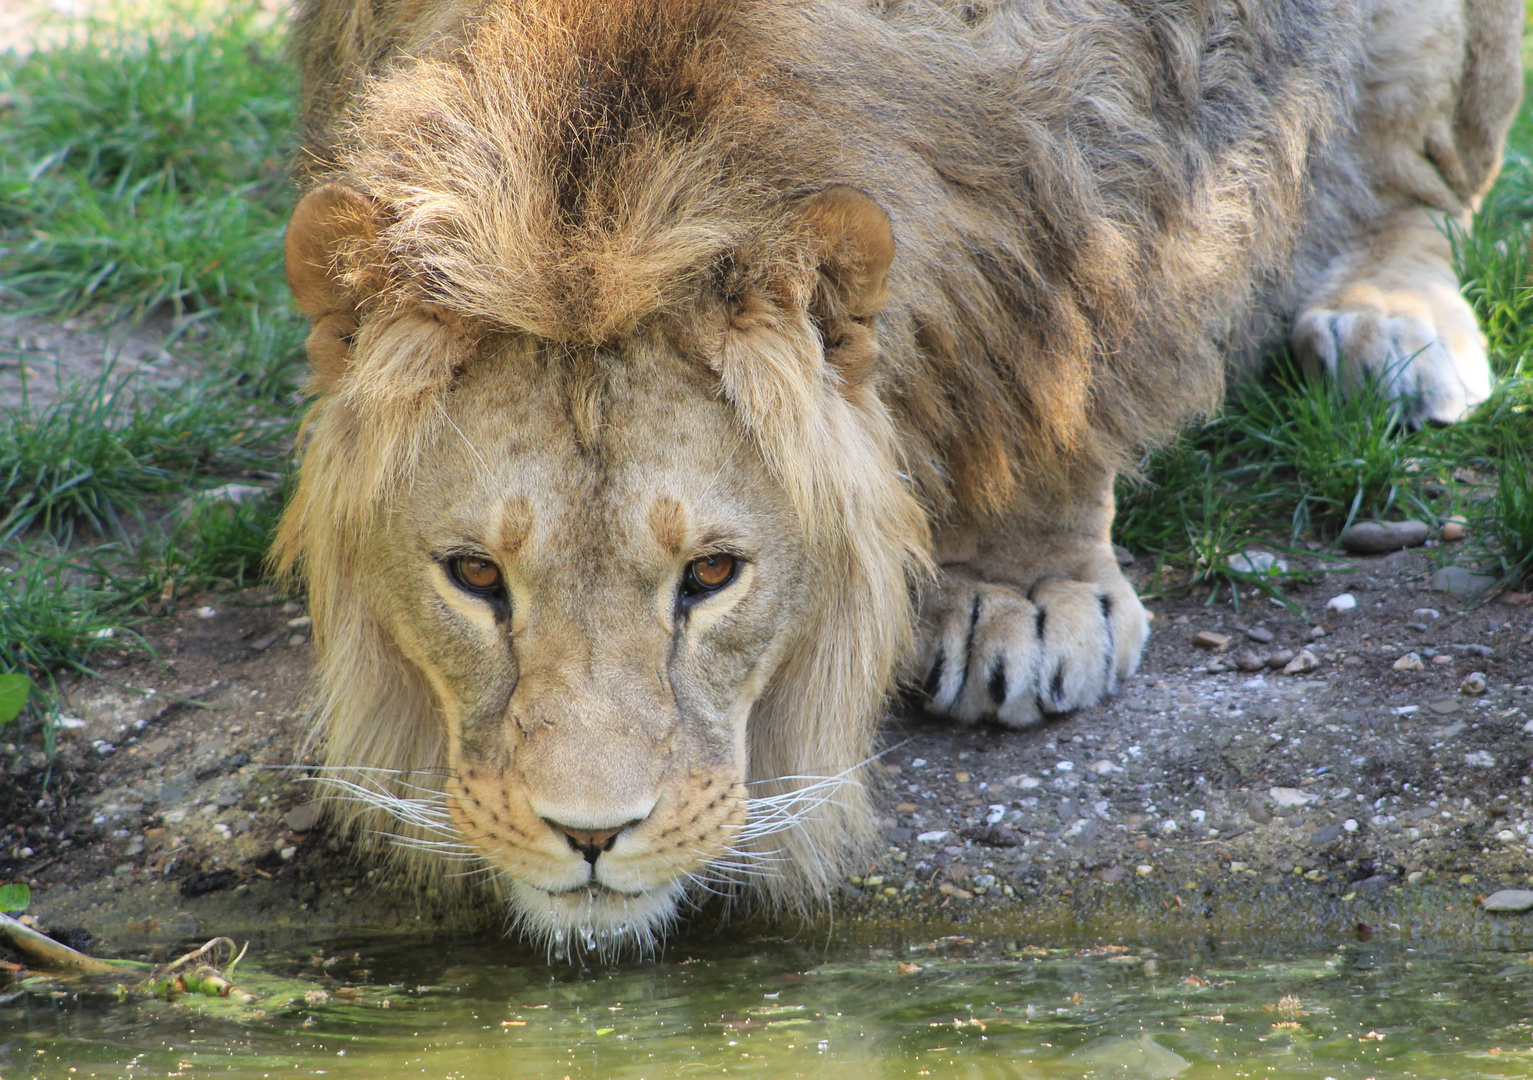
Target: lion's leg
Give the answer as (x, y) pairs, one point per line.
(1437, 94)
(1029, 617)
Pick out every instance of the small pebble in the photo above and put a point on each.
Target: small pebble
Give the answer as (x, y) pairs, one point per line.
(1344, 602)
(1442, 661)
(1246, 660)
(1480, 759)
(295, 640)
(207, 613)
(1280, 659)
(1260, 634)
(1474, 683)
(261, 644)
(1305, 661)
(1425, 613)
(1317, 632)
(1409, 662)
(303, 622)
(1443, 706)
(1350, 825)
(1456, 579)
(1381, 537)
(1208, 639)
(1509, 901)
(303, 818)
(1455, 528)
(1252, 561)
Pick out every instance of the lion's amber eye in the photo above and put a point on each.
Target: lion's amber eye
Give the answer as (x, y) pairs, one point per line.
(709, 573)
(476, 574)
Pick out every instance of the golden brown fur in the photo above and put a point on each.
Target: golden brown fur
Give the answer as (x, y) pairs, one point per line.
(911, 267)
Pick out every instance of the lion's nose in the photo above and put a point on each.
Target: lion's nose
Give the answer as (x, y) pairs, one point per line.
(590, 842)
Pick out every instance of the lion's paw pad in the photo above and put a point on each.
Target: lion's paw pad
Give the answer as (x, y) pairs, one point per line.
(991, 653)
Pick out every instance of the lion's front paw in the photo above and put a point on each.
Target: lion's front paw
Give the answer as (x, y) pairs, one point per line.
(991, 653)
(1422, 345)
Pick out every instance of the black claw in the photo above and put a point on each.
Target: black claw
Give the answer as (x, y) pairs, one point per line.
(934, 676)
(968, 644)
(1106, 602)
(997, 684)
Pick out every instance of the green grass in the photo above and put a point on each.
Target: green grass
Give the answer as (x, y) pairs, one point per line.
(88, 458)
(143, 171)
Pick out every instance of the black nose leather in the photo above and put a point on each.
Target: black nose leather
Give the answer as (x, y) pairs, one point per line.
(589, 842)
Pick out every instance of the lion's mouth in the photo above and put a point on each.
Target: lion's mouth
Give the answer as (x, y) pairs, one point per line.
(595, 889)
(594, 918)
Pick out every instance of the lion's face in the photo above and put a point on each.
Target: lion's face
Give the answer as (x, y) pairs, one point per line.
(606, 620)
(596, 612)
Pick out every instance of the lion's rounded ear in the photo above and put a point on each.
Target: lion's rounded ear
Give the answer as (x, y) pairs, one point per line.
(327, 222)
(858, 247)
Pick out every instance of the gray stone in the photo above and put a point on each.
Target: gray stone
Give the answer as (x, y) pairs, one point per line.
(1280, 659)
(1260, 634)
(1140, 1057)
(303, 818)
(1509, 901)
(1247, 660)
(1380, 537)
(1456, 579)
(1306, 661)
(1257, 808)
(1321, 837)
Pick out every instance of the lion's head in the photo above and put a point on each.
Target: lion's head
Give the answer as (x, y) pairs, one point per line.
(606, 595)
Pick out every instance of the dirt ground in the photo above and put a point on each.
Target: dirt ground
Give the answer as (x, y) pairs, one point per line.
(1353, 794)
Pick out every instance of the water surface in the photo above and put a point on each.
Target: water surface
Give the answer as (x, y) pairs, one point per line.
(812, 1007)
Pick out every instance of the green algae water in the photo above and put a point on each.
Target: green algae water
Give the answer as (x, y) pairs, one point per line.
(811, 1007)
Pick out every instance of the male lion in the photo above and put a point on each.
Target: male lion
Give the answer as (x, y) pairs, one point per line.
(688, 371)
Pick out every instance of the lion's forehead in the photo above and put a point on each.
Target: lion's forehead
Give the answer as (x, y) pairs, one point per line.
(662, 467)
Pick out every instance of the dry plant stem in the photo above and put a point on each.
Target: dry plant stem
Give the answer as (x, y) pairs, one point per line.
(48, 955)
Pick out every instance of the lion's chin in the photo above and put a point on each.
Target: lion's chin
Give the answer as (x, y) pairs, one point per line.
(593, 921)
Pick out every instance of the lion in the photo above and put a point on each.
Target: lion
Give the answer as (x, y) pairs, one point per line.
(690, 375)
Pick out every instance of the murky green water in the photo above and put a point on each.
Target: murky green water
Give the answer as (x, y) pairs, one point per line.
(812, 1008)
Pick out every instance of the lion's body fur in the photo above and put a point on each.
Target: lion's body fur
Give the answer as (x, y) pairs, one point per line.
(1095, 204)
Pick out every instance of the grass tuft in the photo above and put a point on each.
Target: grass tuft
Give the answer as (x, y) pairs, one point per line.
(88, 458)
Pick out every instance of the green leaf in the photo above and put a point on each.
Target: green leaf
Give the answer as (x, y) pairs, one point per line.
(14, 897)
(14, 691)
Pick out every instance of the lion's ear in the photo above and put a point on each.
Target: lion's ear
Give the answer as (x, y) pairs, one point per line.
(327, 222)
(857, 249)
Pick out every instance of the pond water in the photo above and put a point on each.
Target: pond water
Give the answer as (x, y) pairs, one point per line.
(809, 1007)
